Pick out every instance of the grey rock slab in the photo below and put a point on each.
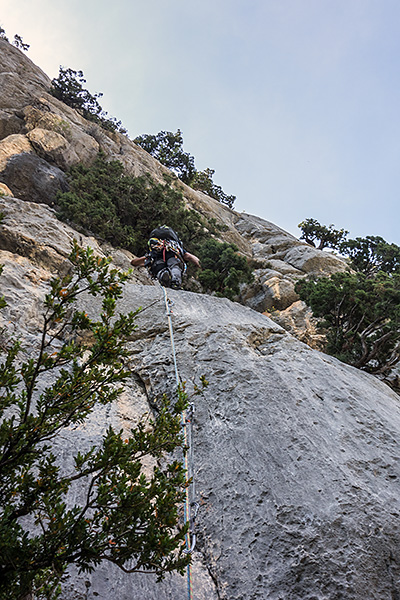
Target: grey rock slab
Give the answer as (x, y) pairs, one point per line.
(33, 179)
(311, 260)
(10, 123)
(20, 79)
(296, 454)
(32, 230)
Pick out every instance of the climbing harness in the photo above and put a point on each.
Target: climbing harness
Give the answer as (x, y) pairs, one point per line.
(191, 507)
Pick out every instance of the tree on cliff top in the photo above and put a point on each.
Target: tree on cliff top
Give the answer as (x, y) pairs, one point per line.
(372, 254)
(126, 516)
(18, 41)
(68, 87)
(167, 147)
(367, 255)
(313, 232)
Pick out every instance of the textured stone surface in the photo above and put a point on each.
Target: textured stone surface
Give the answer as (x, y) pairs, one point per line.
(20, 79)
(288, 260)
(33, 179)
(5, 190)
(296, 454)
(59, 139)
(10, 123)
(32, 231)
(50, 145)
(310, 260)
(11, 146)
(299, 321)
(270, 290)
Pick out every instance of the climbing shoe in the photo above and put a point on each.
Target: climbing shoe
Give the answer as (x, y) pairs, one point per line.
(165, 278)
(175, 285)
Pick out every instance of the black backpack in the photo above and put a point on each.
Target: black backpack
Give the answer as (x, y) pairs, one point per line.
(165, 233)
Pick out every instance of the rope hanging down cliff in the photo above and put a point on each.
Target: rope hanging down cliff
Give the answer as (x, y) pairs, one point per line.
(191, 507)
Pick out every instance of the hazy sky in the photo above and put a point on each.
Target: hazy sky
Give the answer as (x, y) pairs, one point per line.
(294, 103)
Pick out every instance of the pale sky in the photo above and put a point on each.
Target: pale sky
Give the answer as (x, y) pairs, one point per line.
(294, 103)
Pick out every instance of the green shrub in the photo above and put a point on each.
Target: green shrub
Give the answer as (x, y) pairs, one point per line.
(223, 269)
(361, 316)
(122, 209)
(372, 254)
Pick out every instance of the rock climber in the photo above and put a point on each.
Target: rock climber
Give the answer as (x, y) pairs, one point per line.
(166, 257)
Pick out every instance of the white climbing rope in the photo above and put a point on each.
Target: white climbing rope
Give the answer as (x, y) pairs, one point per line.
(190, 507)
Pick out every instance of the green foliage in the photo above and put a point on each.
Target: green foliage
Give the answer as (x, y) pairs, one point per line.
(328, 237)
(3, 35)
(19, 43)
(123, 209)
(68, 87)
(372, 254)
(223, 269)
(361, 316)
(167, 147)
(125, 517)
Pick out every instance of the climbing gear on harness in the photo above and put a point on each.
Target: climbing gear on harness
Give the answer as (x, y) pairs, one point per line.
(158, 245)
(191, 507)
(163, 239)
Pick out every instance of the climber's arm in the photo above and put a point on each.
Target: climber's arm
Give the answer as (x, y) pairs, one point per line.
(138, 261)
(191, 258)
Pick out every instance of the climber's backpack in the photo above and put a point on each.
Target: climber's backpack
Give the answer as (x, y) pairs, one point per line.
(164, 238)
(164, 233)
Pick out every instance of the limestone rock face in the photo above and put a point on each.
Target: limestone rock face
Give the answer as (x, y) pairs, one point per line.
(296, 455)
(10, 123)
(11, 146)
(33, 179)
(5, 190)
(20, 79)
(59, 140)
(32, 231)
(298, 320)
(287, 260)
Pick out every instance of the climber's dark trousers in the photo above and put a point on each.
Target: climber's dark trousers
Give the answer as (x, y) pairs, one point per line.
(169, 272)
